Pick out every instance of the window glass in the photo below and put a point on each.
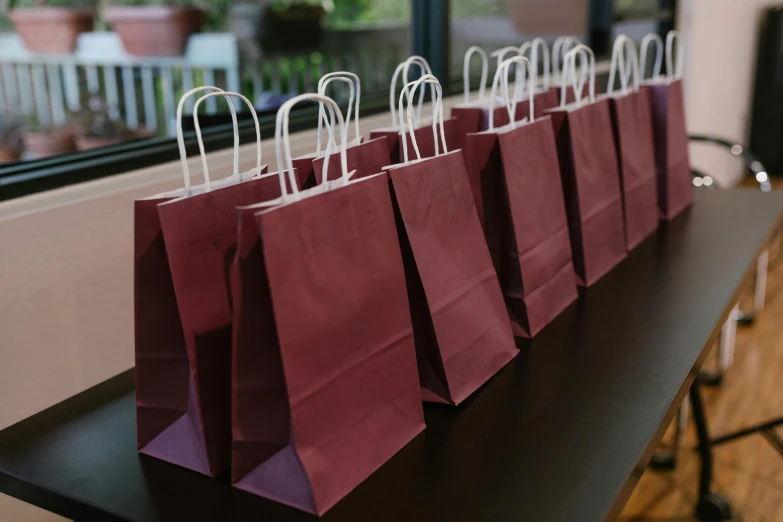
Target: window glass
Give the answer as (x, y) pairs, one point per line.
(493, 24)
(121, 80)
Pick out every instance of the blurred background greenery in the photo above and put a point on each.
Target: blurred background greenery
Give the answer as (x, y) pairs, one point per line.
(341, 13)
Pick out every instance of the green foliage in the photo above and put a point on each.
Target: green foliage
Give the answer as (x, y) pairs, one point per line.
(34, 124)
(478, 8)
(216, 10)
(285, 4)
(141, 3)
(347, 12)
(217, 14)
(135, 3)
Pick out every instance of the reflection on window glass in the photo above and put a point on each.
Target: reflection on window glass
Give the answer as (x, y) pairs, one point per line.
(493, 24)
(636, 18)
(110, 71)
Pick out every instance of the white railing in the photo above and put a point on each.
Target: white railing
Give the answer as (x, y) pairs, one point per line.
(143, 91)
(50, 86)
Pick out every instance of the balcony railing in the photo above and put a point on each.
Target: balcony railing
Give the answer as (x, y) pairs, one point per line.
(144, 91)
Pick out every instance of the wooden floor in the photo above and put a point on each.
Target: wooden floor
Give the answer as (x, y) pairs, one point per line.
(748, 472)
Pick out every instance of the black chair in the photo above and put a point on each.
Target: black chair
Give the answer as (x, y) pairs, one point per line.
(725, 351)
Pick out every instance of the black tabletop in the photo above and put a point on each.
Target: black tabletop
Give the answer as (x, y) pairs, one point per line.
(555, 436)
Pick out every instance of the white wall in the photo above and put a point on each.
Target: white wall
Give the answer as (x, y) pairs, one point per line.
(720, 39)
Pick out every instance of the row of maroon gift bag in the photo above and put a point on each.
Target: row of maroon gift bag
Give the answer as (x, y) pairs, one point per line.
(288, 325)
(292, 332)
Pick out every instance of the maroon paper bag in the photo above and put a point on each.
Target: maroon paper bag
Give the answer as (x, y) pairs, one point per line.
(469, 119)
(462, 331)
(305, 170)
(365, 159)
(515, 178)
(183, 242)
(675, 185)
(632, 124)
(325, 381)
(424, 138)
(516, 183)
(183, 325)
(542, 101)
(591, 183)
(474, 117)
(570, 96)
(344, 359)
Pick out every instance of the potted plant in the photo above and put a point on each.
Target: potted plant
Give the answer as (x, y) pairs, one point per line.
(52, 26)
(154, 27)
(292, 25)
(47, 140)
(95, 128)
(10, 140)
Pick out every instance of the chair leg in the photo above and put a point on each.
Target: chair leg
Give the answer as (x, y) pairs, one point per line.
(759, 292)
(682, 421)
(728, 338)
(710, 507)
(667, 460)
(725, 351)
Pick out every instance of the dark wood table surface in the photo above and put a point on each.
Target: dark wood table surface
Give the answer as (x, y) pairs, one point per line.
(561, 434)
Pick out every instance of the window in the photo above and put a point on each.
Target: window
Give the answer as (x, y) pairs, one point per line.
(116, 100)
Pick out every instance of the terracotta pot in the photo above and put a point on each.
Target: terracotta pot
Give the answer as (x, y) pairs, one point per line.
(155, 30)
(8, 154)
(51, 29)
(95, 142)
(45, 144)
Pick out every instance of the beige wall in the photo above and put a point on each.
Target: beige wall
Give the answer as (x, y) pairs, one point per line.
(720, 39)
